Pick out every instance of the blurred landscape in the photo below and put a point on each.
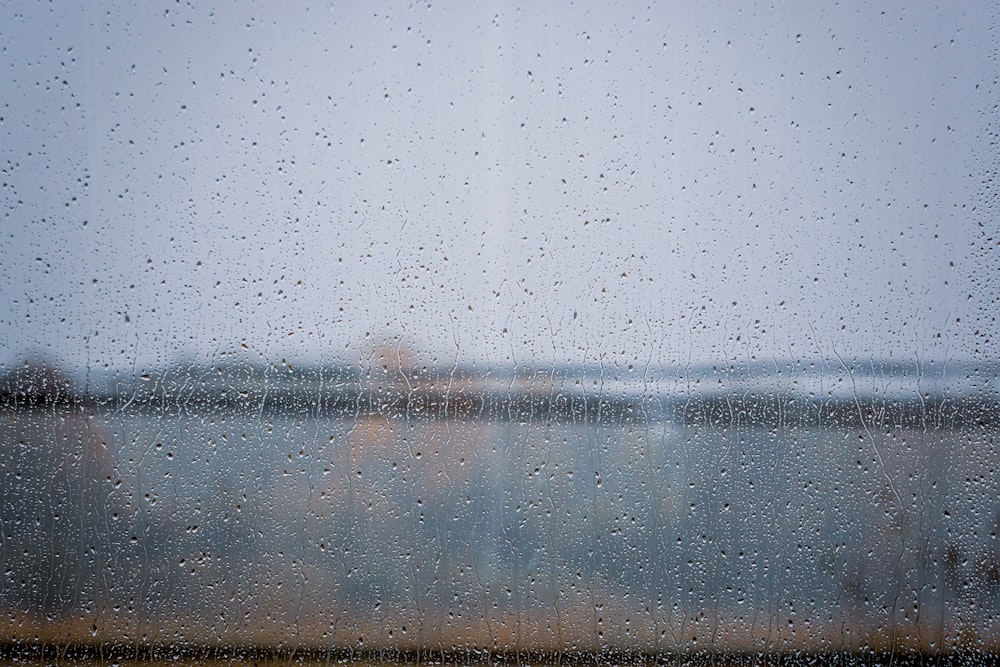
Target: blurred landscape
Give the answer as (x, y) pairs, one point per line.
(772, 507)
(499, 332)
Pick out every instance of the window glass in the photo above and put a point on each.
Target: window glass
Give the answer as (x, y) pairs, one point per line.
(391, 331)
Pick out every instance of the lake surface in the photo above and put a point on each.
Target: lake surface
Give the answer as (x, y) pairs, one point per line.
(224, 528)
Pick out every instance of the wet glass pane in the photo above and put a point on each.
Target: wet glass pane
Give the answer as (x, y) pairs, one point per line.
(498, 332)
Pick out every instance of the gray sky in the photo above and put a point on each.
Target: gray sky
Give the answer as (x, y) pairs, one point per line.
(493, 181)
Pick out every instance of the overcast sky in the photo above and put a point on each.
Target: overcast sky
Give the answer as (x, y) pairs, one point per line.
(492, 181)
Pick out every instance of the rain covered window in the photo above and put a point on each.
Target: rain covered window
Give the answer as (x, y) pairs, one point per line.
(498, 332)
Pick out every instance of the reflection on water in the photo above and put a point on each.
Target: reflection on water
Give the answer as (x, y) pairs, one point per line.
(180, 525)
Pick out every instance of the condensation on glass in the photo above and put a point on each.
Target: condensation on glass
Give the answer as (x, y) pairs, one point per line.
(498, 330)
